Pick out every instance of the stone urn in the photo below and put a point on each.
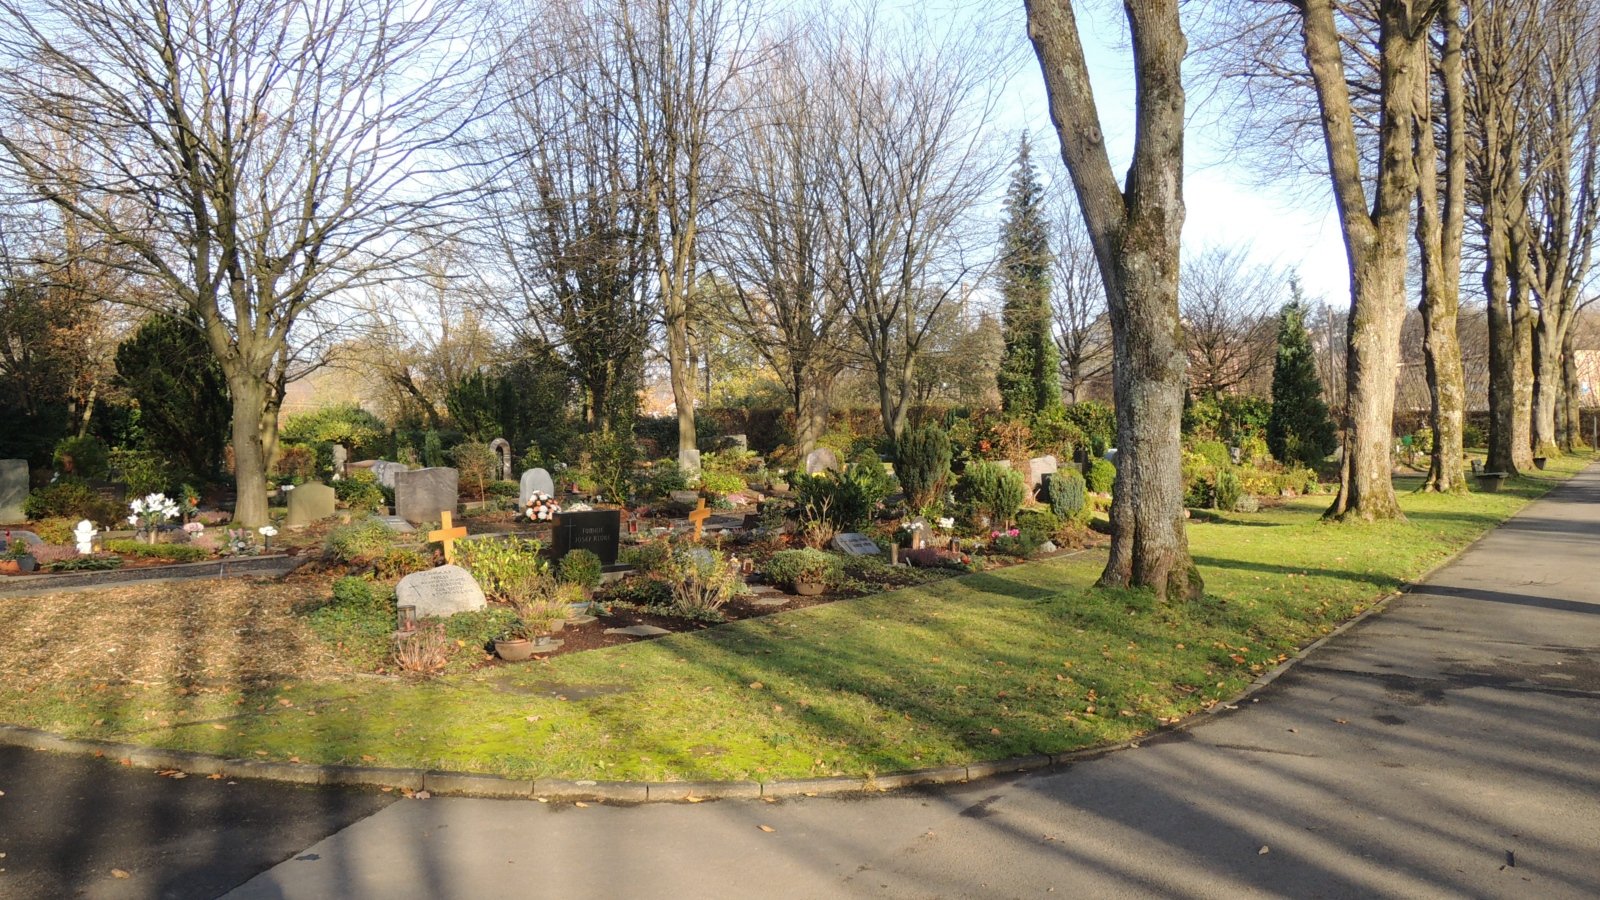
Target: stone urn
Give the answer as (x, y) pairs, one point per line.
(1539, 461)
(808, 588)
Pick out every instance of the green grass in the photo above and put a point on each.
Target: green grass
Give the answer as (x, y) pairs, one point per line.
(1016, 661)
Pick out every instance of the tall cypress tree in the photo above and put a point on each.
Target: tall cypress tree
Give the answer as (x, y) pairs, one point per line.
(1299, 430)
(1030, 371)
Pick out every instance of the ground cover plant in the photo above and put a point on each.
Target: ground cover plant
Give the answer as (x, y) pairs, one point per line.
(1020, 660)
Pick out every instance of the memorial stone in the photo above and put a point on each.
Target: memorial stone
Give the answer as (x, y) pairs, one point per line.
(534, 480)
(821, 459)
(598, 531)
(309, 503)
(385, 471)
(444, 591)
(1039, 470)
(421, 495)
(13, 490)
(856, 544)
(502, 455)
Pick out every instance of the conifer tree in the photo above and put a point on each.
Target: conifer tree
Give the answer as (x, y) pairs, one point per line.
(1029, 376)
(1299, 430)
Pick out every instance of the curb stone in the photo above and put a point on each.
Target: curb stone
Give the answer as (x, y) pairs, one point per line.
(632, 792)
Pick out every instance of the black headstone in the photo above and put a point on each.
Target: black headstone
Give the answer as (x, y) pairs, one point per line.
(598, 532)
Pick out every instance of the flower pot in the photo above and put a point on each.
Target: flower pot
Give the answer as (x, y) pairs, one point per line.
(27, 564)
(808, 588)
(514, 649)
(10, 567)
(1539, 461)
(1489, 482)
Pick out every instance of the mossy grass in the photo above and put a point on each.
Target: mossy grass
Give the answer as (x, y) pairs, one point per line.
(1020, 660)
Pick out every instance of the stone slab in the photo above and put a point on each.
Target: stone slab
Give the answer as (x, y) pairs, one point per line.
(397, 524)
(310, 503)
(421, 495)
(638, 631)
(769, 601)
(13, 490)
(534, 480)
(440, 592)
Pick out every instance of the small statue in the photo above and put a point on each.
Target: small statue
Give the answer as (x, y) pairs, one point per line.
(84, 535)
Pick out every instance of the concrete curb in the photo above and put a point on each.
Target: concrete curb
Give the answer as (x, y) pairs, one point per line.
(467, 784)
(275, 566)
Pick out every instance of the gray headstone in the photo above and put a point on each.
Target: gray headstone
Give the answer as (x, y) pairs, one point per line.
(13, 490)
(397, 524)
(502, 455)
(26, 537)
(1038, 468)
(309, 503)
(534, 480)
(421, 495)
(689, 461)
(736, 442)
(821, 459)
(382, 469)
(684, 498)
(341, 457)
(444, 591)
(855, 544)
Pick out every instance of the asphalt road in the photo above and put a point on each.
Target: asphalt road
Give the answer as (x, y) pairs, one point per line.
(1447, 747)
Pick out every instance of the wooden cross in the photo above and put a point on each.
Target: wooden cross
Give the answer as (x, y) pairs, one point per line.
(447, 536)
(698, 518)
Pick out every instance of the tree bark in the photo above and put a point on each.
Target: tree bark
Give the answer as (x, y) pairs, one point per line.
(1522, 317)
(1439, 235)
(1572, 398)
(249, 457)
(1375, 239)
(1136, 240)
(810, 414)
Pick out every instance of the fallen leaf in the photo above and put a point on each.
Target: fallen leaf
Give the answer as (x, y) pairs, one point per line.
(1264, 850)
(767, 828)
(120, 873)
(581, 805)
(756, 685)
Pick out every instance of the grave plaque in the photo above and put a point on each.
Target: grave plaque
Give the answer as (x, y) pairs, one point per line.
(421, 495)
(13, 490)
(309, 503)
(534, 480)
(444, 591)
(856, 544)
(597, 531)
(821, 459)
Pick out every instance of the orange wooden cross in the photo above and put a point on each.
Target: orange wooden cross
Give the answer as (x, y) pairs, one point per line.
(698, 518)
(447, 536)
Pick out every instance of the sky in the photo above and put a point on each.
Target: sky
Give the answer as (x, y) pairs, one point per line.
(1291, 224)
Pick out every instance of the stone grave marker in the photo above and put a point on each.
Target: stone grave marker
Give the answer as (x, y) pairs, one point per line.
(382, 469)
(341, 459)
(598, 531)
(689, 461)
(856, 544)
(1039, 470)
(419, 496)
(13, 490)
(821, 459)
(534, 480)
(440, 592)
(309, 503)
(736, 442)
(502, 454)
(684, 498)
(638, 631)
(19, 535)
(396, 524)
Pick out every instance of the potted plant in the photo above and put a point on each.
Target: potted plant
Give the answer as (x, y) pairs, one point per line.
(16, 560)
(806, 572)
(541, 611)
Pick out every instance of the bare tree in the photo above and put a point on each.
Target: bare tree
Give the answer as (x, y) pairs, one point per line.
(1136, 239)
(265, 158)
(1229, 308)
(1077, 301)
(909, 166)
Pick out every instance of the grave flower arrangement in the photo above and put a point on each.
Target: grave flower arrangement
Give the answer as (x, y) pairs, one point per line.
(267, 533)
(541, 507)
(150, 511)
(240, 542)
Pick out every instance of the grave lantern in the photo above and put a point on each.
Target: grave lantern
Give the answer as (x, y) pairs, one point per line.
(408, 619)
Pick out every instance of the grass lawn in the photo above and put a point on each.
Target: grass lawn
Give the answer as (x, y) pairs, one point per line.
(987, 666)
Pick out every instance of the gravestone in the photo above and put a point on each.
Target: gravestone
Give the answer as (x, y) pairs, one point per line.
(684, 498)
(421, 495)
(502, 454)
(309, 503)
(597, 531)
(444, 591)
(341, 458)
(736, 442)
(856, 544)
(689, 461)
(13, 490)
(821, 459)
(1110, 456)
(1039, 470)
(18, 535)
(382, 469)
(396, 524)
(534, 480)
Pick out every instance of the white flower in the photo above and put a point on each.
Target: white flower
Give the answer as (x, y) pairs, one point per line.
(947, 522)
(133, 520)
(267, 531)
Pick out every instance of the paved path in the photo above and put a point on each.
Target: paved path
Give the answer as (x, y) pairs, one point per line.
(1448, 747)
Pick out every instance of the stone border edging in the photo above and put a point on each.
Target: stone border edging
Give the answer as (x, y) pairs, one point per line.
(466, 784)
(276, 565)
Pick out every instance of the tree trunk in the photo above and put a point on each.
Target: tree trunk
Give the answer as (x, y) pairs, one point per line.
(1522, 317)
(1502, 372)
(1366, 487)
(1135, 232)
(683, 386)
(1571, 399)
(1546, 384)
(810, 414)
(1439, 234)
(249, 458)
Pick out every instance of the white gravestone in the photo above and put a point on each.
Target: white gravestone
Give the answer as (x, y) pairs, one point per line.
(534, 480)
(444, 591)
(821, 459)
